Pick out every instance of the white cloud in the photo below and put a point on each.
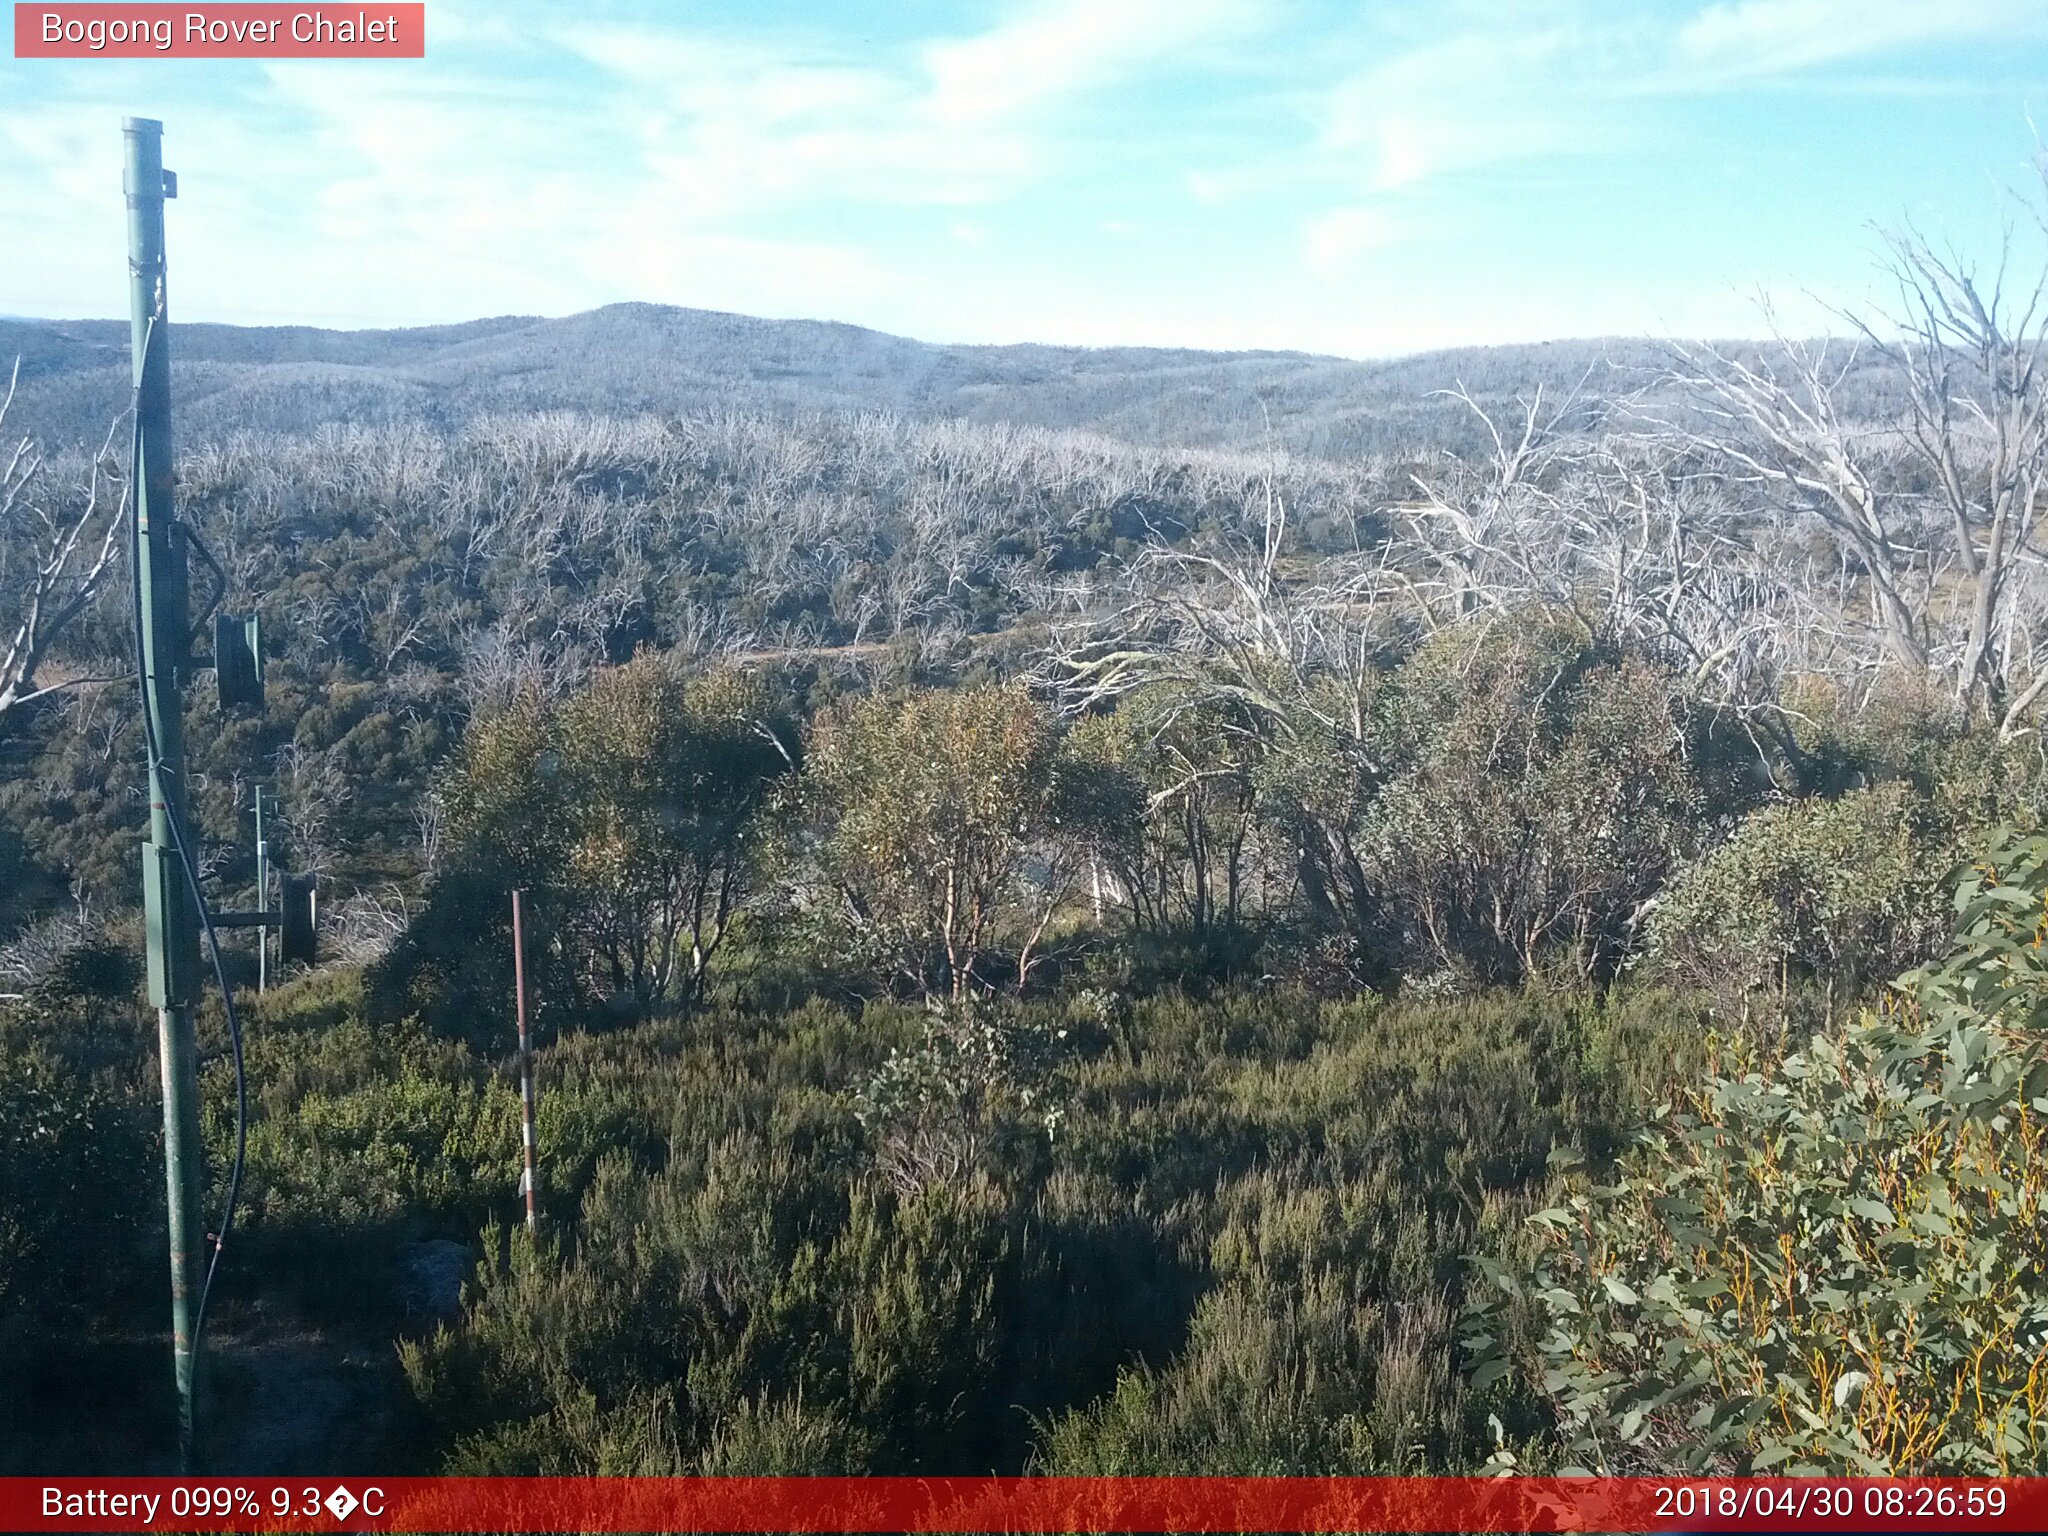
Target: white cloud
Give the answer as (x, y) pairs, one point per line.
(1746, 38)
(1488, 87)
(738, 128)
(1499, 92)
(1567, 76)
(671, 170)
(1059, 48)
(1472, 100)
(1335, 240)
(535, 232)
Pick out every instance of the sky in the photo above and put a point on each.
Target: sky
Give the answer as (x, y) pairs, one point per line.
(1365, 179)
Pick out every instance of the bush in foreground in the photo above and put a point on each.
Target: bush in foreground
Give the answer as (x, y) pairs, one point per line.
(1834, 1262)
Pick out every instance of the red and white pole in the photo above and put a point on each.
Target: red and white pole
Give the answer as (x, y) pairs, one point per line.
(528, 1183)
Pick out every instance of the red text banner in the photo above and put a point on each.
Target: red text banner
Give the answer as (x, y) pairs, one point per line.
(880, 1504)
(235, 31)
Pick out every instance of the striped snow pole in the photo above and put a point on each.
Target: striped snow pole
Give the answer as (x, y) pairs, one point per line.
(528, 1181)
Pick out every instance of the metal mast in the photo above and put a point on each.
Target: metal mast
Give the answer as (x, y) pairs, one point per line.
(164, 620)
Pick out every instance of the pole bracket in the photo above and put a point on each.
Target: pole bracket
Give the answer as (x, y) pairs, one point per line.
(270, 919)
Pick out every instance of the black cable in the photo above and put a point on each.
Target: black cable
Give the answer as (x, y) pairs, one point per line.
(178, 843)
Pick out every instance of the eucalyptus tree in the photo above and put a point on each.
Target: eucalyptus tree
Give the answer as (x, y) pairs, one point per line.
(949, 829)
(633, 806)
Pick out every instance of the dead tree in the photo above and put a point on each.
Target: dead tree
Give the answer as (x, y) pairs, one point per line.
(1970, 351)
(1621, 533)
(1938, 508)
(1286, 662)
(57, 545)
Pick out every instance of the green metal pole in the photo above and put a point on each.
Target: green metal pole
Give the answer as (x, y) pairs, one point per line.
(165, 618)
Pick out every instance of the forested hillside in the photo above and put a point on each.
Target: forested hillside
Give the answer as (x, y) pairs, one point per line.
(1070, 931)
(629, 359)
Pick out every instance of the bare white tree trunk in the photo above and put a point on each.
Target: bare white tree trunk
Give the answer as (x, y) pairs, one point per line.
(55, 550)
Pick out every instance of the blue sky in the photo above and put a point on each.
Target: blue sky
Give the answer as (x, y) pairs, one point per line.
(1365, 178)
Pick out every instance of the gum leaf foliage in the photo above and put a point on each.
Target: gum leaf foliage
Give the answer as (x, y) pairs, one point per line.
(1834, 1262)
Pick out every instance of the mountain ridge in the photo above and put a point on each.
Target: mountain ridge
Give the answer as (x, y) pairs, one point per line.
(637, 358)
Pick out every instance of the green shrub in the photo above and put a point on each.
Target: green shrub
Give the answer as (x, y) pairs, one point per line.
(1995, 973)
(1294, 1379)
(1840, 893)
(1179, 852)
(631, 812)
(81, 1243)
(1496, 807)
(75, 1196)
(1254, 1204)
(1832, 1262)
(365, 1137)
(694, 1301)
(981, 1075)
(1539, 788)
(948, 829)
(1834, 1265)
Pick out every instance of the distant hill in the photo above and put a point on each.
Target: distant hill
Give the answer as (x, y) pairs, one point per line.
(632, 358)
